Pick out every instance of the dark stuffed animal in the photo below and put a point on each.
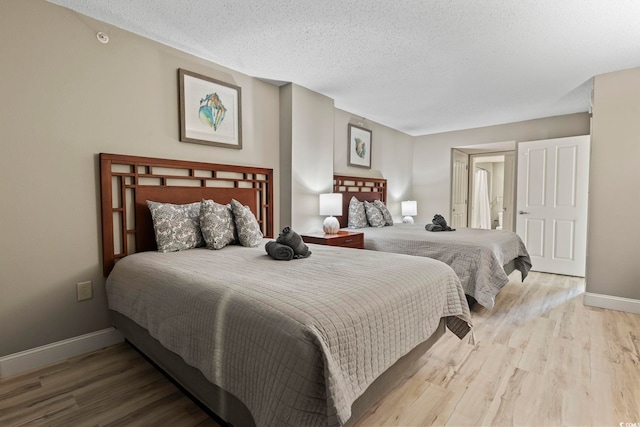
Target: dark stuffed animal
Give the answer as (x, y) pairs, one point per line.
(279, 251)
(439, 220)
(292, 239)
(433, 227)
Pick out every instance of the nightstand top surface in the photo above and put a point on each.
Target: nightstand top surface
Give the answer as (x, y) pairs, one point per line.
(341, 233)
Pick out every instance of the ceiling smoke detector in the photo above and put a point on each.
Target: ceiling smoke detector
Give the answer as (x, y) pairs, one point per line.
(102, 37)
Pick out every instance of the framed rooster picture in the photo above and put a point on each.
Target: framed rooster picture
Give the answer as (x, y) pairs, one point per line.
(210, 111)
(359, 147)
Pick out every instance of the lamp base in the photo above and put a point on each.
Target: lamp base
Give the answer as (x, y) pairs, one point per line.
(407, 220)
(331, 225)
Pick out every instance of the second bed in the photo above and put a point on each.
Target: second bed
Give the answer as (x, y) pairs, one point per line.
(482, 259)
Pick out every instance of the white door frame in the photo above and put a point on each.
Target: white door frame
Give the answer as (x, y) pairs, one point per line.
(472, 158)
(500, 147)
(509, 194)
(459, 209)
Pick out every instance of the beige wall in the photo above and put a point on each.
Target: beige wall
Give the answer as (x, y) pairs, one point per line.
(65, 98)
(286, 141)
(432, 154)
(311, 156)
(68, 97)
(614, 230)
(313, 138)
(391, 157)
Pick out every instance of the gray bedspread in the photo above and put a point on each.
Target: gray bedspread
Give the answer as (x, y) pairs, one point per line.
(477, 256)
(297, 341)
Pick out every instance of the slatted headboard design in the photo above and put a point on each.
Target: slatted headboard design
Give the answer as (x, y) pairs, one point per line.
(368, 189)
(127, 182)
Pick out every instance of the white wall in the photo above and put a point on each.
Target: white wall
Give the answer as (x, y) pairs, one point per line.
(432, 155)
(614, 229)
(65, 98)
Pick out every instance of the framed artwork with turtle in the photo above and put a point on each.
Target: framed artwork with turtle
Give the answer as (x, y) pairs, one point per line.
(359, 147)
(210, 111)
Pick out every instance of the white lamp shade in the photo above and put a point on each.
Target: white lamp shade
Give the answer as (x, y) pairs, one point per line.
(331, 204)
(409, 208)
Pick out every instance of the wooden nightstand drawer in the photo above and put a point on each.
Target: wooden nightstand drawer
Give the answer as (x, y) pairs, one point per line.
(345, 239)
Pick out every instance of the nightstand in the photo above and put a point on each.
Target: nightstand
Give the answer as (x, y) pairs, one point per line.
(345, 239)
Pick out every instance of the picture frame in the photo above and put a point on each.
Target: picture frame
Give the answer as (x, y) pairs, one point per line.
(210, 111)
(359, 147)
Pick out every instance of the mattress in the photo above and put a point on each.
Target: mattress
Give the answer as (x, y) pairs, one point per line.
(477, 256)
(297, 341)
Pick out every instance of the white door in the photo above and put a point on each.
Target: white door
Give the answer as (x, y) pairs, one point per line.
(552, 197)
(459, 188)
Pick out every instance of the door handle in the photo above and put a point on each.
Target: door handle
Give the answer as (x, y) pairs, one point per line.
(523, 213)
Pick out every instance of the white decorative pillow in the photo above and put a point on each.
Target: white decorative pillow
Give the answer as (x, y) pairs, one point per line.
(374, 216)
(357, 215)
(249, 233)
(177, 227)
(217, 224)
(388, 219)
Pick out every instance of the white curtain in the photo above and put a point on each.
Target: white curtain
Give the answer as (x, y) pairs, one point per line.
(481, 208)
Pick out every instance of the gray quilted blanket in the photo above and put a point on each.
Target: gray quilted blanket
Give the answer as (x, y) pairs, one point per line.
(297, 341)
(477, 256)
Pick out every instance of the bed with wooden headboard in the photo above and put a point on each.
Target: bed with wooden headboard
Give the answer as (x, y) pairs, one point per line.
(239, 330)
(127, 182)
(482, 259)
(362, 188)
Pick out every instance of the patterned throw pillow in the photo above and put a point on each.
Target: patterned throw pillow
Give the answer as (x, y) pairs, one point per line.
(217, 224)
(177, 227)
(374, 216)
(357, 215)
(249, 233)
(388, 219)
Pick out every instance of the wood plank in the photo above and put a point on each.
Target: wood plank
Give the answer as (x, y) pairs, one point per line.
(114, 386)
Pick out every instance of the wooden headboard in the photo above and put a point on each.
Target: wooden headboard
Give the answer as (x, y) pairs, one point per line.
(368, 189)
(127, 182)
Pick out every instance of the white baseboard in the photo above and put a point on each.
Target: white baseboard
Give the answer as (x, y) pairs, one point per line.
(613, 303)
(41, 356)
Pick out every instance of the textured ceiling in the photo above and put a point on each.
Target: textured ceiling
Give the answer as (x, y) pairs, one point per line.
(418, 66)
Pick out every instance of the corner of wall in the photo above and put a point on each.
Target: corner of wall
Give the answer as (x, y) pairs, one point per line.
(286, 141)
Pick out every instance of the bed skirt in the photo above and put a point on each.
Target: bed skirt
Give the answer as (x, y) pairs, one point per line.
(228, 407)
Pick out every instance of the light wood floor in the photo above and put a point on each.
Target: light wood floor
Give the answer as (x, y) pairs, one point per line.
(112, 387)
(540, 358)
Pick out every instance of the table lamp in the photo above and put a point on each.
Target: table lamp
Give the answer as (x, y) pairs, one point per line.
(409, 209)
(331, 204)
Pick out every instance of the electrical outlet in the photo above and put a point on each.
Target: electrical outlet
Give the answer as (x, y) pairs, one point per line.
(84, 290)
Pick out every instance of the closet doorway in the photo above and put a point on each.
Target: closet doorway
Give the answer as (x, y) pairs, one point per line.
(489, 190)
